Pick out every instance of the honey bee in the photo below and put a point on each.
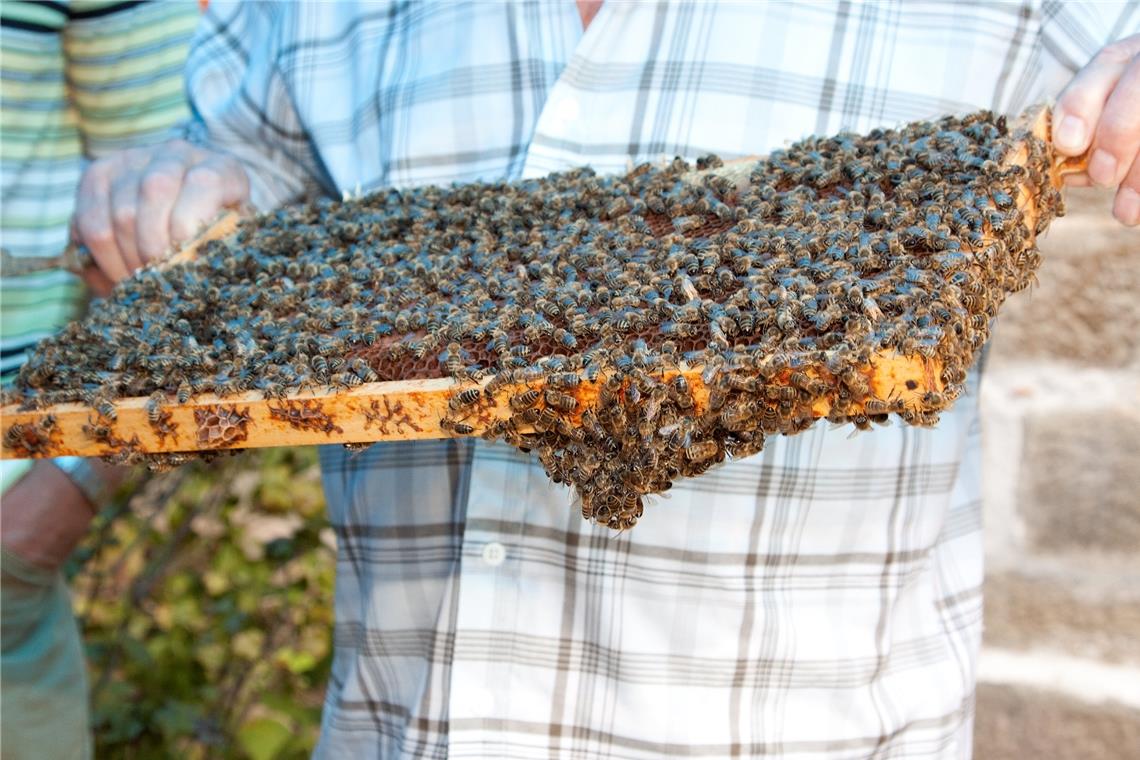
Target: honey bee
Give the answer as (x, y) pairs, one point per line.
(524, 400)
(546, 421)
(14, 436)
(464, 399)
(454, 426)
(97, 430)
(933, 400)
(453, 359)
(344, 380)
(785, 393)
(701, 451)
(805, 382)
(105, 408)
(617, 207)
(154, 407)
(652, 406)
(564, 380)
(560, 401)
(735, 416)
(739, 382)
(876, 406)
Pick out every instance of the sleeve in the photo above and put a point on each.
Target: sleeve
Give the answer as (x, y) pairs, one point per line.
(124, 64)
(1073, 32)
(41, 665)
(241, 102)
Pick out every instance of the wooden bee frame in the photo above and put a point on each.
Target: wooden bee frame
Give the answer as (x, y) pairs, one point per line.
(400, 410)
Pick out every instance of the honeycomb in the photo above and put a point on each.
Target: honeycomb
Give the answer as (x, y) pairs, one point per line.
(221, 425)
(781, 282)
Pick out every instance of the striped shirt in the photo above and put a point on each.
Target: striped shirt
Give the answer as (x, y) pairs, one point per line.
(78, 80)
(819, 600)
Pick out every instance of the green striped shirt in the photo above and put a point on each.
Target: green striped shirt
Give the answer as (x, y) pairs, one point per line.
(78, 80)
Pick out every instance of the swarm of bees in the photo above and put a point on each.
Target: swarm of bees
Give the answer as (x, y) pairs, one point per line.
(781, 284)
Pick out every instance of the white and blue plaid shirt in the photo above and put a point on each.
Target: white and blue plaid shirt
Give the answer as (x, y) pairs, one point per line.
(819, 600)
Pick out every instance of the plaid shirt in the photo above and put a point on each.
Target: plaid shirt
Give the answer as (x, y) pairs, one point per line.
(819, 600)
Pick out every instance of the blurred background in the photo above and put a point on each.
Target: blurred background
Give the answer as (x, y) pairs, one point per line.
(1060, 668)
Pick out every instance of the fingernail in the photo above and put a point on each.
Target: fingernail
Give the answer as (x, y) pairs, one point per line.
(1070, 133)
(1102, 168)
(1128, 206)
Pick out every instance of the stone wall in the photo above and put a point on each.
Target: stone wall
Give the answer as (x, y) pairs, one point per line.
(1060, 667)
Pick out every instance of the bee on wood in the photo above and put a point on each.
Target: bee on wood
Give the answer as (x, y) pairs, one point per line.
(454, 426)
(154, 407)
(560, 401)
(564, 380)
(524, 400)
(682, 394)
(14, 436)
(526, 418)
(106, 408)
(356, 449)
(499, 381)
(98, 430)
(463, 399)
(345, 380)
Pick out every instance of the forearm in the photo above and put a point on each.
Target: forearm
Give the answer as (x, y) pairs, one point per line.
(45, 514)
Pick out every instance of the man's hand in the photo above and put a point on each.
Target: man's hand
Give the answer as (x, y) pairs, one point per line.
(45, 514)
(1101, 108)
(132, 207)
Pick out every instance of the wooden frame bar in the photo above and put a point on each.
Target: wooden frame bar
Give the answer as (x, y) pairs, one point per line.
(390, 411)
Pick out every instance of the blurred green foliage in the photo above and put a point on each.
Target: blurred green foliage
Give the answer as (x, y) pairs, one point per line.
(205, 601)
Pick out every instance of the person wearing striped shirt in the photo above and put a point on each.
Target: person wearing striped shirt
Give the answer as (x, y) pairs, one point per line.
(819, 600)
(79, 80)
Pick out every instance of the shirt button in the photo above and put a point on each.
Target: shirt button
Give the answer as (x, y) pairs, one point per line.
(494, 553)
